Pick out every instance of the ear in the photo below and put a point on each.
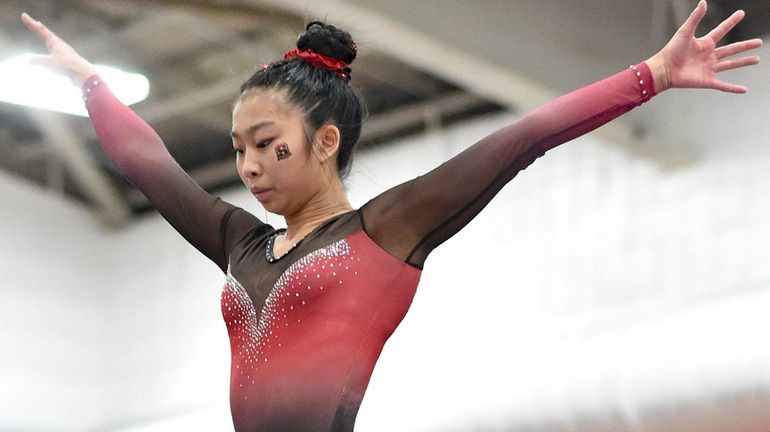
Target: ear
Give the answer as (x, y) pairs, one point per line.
(327, 142)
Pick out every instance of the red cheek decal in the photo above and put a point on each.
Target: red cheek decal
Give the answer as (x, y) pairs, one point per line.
(282, 151)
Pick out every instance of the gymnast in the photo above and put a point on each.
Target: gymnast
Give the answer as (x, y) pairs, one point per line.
(309, 307)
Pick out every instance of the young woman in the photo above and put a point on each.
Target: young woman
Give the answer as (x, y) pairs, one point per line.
(308, 308)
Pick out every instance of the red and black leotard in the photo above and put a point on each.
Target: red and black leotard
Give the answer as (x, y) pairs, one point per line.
(306, 329)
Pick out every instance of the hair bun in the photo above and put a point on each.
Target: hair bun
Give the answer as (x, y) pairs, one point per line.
(328, 40)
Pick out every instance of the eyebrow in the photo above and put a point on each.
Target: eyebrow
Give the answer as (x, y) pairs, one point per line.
(253, 128)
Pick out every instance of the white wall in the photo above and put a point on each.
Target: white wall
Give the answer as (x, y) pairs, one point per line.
(599, 293)
(100, 328)
(51, 314)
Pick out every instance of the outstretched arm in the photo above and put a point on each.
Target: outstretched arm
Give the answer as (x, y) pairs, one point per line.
(208, 223)
(413, 218)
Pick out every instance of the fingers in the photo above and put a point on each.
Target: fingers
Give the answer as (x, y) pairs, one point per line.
(46, 35)
(737, 63)
(725, 26)
(694, 19)
(737, 47)
(729, 88)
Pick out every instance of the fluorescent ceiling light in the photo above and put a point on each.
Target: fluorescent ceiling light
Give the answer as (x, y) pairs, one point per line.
(31, 85)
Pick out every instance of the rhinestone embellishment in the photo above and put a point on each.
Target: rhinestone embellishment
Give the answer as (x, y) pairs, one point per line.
(269, 255)
(89, 87)
(255, 336)
(638, 74)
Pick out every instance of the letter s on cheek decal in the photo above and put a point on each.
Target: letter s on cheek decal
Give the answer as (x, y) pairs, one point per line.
(282, 151)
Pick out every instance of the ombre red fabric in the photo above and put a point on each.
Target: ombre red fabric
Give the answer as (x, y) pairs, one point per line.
(306, 330)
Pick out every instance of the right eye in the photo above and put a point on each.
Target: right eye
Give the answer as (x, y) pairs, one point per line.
(264, 143)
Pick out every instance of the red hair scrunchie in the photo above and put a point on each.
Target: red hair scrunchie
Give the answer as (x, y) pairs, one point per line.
(339, 67)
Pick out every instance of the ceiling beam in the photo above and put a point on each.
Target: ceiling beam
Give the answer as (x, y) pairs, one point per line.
(198, 101)
(188, 103)
(110, 208)
(26, 151)
(393, 120)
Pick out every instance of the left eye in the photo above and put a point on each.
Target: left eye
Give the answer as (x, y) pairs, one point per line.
(263, 144)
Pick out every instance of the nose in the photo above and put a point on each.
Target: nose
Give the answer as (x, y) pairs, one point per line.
(251, 167)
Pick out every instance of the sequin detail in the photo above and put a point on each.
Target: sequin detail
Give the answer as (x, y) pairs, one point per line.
(254, 337)
(269, 256)
(644, 89)
(89, 86)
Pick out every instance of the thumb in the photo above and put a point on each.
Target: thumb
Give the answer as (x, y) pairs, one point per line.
(53, 64)
(46, 61)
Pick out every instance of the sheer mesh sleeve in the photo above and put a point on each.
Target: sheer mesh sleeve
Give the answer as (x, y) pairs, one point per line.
(413, 218)
(207, 222)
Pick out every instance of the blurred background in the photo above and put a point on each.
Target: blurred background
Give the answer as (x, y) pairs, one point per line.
(621, 283)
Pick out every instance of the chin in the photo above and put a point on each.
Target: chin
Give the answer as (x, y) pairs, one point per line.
(274, 207)
(270, 207)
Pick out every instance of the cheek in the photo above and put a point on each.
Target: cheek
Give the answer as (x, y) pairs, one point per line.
(282, 152)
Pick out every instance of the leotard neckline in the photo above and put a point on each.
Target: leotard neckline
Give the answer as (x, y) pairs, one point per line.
(271, 258)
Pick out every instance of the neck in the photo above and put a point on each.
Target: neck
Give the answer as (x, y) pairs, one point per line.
(320, 208)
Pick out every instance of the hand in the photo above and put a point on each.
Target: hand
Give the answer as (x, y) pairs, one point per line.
(62, 58)
(690, 62)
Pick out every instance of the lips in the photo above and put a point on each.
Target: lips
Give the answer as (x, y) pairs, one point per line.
(260, 193)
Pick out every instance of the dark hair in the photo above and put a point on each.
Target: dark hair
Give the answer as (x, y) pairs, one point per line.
(323, 95)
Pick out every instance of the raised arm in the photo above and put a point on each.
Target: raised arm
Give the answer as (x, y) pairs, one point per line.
(412, 219)
(208, 223)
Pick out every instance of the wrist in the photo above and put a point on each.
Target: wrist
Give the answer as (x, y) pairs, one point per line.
(89, 85)
(79, 72)
(660, 72)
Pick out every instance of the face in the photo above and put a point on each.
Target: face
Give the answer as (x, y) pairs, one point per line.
(271, 145)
